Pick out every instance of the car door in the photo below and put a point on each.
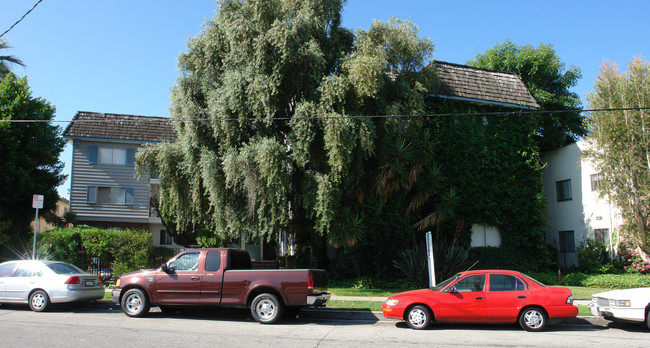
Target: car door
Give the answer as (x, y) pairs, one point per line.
(506, 295)
(182, 284)
(21, 283)
(6, 270)
(212, 278)
(463, 300)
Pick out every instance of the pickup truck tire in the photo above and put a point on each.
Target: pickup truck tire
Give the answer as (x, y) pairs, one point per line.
(266, 308)
(135, 303)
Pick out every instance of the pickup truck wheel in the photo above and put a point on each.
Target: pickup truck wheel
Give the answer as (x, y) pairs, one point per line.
(135, 303)
(533, 319)
(418, 317)
(266, 308)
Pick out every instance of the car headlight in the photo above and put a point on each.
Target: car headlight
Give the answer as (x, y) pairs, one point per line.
(619, 303)
(391, 302)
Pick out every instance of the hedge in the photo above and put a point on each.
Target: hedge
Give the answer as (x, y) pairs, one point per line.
(121, 250)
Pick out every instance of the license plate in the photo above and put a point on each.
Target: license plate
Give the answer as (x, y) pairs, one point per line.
(89, 283)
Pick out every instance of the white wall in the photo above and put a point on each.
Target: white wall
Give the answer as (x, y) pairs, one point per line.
(585, 211)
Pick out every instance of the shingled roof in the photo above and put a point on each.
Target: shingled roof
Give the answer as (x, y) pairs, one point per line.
(481, 85)
(97, 125)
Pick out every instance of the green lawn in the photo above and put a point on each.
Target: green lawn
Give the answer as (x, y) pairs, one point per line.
(582, 293)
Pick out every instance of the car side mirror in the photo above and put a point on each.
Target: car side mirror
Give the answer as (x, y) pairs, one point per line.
(165, 268)
(451, 289)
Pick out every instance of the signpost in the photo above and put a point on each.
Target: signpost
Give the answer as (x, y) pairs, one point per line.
(432, 271)
(37, 203)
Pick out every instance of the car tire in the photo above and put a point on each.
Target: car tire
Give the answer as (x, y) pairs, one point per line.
(135, 303)
(418, 317)
(647, 318)
(266, 308)
(533, 319)
(39, 301)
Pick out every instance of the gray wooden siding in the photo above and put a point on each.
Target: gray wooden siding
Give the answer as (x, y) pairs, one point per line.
(85, 174)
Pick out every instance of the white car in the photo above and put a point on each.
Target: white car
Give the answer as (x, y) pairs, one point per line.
(627, 305)
(41, 283)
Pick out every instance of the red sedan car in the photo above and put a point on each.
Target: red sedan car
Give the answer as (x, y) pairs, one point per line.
(491, 296)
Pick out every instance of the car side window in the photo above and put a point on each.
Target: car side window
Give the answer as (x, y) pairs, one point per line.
(186, 262)
(7, 269)
(503, 282)
(213, 261)
(471, 284)
(23, 271)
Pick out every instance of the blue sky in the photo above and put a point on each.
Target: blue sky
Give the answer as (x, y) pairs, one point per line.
(119, 56)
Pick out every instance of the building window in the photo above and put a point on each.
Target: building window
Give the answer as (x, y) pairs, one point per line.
(563, 190)
(109, 155)
(602, 234)
(109, 195)
(165, 238)
(485, 236)
(567, 242)
(595, 181)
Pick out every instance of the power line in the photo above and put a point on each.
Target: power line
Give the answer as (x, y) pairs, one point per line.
(249, 119)
(21, 18)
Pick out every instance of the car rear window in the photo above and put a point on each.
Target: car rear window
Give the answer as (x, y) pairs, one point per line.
(533, 280)
(63, 268)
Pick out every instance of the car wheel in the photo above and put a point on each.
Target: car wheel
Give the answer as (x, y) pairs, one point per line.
(135, 303)
(39, 301)
(266, 308)
(647, 318)
(418, 317)
(533, 319)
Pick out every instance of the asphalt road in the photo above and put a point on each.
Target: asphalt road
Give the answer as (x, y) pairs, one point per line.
(104, 327)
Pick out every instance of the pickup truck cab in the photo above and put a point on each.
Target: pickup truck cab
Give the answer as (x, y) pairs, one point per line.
(220, 277)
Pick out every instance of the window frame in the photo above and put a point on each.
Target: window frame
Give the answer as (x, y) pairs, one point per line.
(564, 190)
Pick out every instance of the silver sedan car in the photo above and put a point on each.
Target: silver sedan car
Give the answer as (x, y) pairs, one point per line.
(42, 283)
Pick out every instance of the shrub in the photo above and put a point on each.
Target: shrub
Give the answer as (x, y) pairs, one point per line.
(635, 264)
(592, 254)
(121, 250)
(449, 258)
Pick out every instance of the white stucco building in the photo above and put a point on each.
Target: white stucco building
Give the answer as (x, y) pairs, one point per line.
(574, 210)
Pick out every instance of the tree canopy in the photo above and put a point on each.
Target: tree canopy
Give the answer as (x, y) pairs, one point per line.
(549, 82)
(29, 157)
(5, 60)
(283, 121)
(620, 142)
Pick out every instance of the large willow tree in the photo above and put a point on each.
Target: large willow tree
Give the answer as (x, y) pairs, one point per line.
(620, 141)
(266, 110)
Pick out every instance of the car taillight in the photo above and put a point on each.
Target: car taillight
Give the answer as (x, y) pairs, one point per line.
(100, 280)
(72, 280)
(310, 282)
(569, 300)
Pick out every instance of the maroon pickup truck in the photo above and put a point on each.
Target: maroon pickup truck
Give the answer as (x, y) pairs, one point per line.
(220, 277)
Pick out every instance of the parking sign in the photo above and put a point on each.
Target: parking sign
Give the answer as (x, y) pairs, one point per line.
(37, 201)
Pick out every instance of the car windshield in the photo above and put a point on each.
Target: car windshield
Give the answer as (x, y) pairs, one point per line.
(63, 268)
(534, 280)
(446, 282)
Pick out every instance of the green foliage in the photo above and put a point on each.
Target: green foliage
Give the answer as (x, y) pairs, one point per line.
(619, 141)
(123, 250)
(449, 258)
(4, 67)
(548, 82)
(634, 263)
(592, 254)
(611, 281)
(29, 157)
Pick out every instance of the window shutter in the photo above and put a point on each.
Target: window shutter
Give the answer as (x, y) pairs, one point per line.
(128, 196)
(130, 157)
(91, 194)
(92, 154)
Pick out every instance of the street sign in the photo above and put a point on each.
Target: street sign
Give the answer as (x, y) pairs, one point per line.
(37, 201)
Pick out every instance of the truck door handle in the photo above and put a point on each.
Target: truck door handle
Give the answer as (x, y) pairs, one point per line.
(521, 297)
(480, 298)
(195, 278)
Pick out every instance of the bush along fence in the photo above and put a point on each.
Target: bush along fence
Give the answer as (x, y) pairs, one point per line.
(109, 253)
